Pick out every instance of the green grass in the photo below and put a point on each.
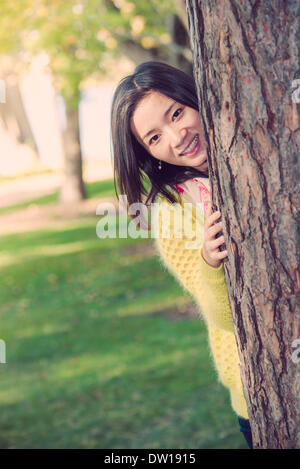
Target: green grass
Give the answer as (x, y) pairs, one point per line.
(92, 360)
(93, 189)
(37, 171)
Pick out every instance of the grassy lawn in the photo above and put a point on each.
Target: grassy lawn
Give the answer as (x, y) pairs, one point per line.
(93, 189)
(94, 359)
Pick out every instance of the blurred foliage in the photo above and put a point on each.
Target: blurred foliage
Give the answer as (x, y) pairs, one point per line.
(78, 36)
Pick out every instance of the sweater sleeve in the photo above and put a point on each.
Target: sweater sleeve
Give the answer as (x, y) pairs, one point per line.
(205, 283)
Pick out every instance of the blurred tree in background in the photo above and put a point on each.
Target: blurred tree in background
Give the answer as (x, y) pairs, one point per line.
(82, 39)
(12, 113)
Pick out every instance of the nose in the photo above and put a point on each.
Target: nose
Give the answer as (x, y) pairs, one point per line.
(176, 136)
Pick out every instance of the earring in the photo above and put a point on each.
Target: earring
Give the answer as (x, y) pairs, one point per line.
(159, 165)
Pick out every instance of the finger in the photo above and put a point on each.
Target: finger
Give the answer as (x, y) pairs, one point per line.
(218, 242)
(222, 254)
(207, 209)
(207, 214)
(211, 220)
(216, 247)
(214, 230)
(216, 215)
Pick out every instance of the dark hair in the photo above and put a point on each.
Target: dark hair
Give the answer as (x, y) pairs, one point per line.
(131, 160)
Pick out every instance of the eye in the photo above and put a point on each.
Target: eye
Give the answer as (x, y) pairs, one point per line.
(177, 112)
(175, 115)
(152, 139)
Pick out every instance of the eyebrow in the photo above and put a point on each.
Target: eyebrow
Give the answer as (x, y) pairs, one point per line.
(165, 115)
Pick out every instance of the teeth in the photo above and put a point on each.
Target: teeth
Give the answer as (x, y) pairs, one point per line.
(192, 145)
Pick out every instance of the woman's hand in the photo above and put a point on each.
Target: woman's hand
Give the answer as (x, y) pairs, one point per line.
(211, 244)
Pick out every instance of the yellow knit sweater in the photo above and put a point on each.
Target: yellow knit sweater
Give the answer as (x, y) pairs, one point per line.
(181, 251)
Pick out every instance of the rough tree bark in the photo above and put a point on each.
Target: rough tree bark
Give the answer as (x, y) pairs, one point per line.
(246, 61)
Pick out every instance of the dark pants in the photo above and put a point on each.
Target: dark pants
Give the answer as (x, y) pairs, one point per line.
(246, 430)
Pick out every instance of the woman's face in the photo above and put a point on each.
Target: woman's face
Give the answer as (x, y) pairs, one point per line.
(170, 131)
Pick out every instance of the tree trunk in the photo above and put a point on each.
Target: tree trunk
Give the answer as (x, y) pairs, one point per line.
(13, 113)
(179, 43)
(246, 61)
(181, 12)
(72, 189)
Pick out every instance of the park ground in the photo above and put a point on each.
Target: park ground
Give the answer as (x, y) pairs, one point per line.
(103, 349)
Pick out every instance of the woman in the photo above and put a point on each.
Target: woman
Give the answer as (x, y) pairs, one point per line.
(156, 131)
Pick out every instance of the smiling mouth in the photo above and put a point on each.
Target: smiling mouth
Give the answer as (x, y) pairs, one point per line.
(193, 146)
